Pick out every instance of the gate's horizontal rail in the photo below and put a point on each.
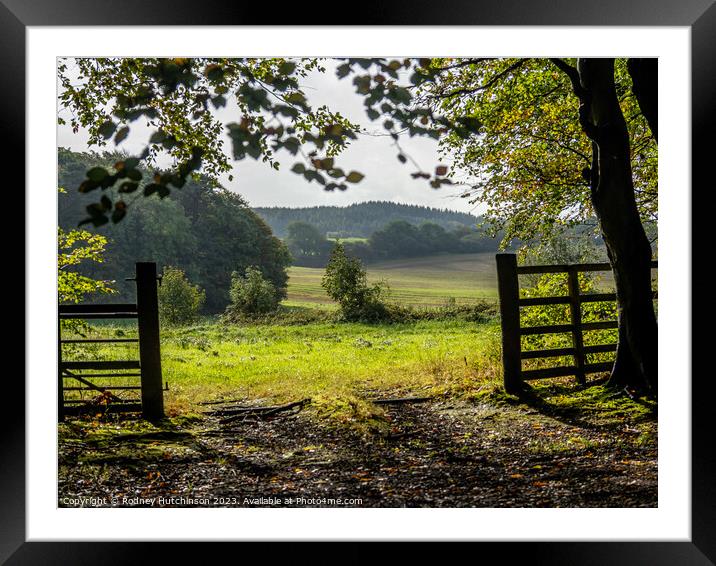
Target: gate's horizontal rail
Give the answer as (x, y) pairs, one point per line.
(101, 364)
(88, 309)
(102, 387)
(565, 300)
(549, 353)
(105, 375)
(547, 329)
(558, 328)
(562, 371)
(97, 340)
(97, 316)
(557, 352)
(600, 348)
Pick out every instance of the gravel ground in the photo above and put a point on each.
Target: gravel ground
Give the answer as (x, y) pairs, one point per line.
(434, 454)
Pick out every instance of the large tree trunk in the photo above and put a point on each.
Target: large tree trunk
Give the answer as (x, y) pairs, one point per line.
(627, 244)
(644, 75)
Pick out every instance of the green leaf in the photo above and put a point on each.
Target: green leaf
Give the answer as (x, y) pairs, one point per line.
(298, 99)
(106, 130)
(131, 162)
(121, 135)
(354, 177)
(324, 164)
(470, 123)
(214, 73)
(97, 174)
(96, 221)
(157, 137)
(402, 95)
(169, 142)
(287, 68)
(150, 189)
(88, 186)
(120, 210)
(299, 168)
(343, 70)
(310, 175)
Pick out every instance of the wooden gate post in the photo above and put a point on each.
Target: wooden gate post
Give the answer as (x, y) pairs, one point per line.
(60, 379)
(149, 351)
(509, 292)
(575, 310)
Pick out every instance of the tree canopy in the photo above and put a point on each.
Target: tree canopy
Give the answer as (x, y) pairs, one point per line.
(530, 163)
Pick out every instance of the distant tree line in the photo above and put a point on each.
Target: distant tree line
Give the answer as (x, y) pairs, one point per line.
(204, 230)
(398, 239)
(362, 219)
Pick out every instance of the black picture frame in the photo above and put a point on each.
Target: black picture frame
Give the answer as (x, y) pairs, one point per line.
(699, 15)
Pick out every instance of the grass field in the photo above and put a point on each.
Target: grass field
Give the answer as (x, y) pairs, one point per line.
(349, 240)
(423, 281)
(333, 362)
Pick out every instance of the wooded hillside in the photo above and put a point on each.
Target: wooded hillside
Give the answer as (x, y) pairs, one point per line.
(207, 231)
(361, 220)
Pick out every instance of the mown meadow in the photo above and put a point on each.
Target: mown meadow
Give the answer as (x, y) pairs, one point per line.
(422, 281)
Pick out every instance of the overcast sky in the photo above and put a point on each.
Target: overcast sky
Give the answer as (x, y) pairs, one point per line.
(375, 156)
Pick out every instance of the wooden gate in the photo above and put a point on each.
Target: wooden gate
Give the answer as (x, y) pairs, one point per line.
(510, 303)
(147, 368)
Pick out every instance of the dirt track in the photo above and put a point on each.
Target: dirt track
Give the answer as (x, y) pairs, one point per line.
(436, 454)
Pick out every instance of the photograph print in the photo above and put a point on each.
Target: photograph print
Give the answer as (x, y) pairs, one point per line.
(357, 282)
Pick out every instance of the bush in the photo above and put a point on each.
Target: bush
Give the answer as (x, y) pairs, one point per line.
(479, 312)
(345, 282)
(179, 300)
(251, 295)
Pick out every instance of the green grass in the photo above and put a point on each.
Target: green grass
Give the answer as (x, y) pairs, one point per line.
(423, 281)
(349, 240)
(328, 362)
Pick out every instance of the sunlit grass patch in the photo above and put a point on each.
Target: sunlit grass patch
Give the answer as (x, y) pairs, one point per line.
(338, 365)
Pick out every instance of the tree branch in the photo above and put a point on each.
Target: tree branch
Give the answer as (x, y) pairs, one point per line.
(485, 86)
(572, 74)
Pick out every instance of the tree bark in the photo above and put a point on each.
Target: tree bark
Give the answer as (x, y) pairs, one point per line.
(612, 194)
(645, 86)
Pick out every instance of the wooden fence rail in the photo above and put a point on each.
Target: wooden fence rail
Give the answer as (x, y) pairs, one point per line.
(508, 273)
(148, 367)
